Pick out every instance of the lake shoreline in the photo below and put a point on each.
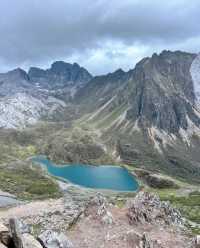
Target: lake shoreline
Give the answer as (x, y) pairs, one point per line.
(131, 182)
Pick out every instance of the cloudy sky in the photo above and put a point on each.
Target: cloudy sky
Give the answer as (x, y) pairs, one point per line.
(101, 35)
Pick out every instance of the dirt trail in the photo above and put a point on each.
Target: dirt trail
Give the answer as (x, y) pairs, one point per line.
(32, 209)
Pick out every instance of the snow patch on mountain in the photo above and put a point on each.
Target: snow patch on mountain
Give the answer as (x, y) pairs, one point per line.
(195, 73)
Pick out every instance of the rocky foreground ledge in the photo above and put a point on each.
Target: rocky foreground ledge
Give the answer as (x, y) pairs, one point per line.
(144, 222)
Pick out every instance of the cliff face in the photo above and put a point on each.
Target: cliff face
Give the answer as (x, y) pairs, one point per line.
(150, 115)
(26, 98)
(163, 94)
(158, 92)
(59, 76)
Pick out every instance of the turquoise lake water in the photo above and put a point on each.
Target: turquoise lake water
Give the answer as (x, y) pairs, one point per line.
(98, 177)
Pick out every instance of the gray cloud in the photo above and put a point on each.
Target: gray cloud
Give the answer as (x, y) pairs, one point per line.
(101, 34)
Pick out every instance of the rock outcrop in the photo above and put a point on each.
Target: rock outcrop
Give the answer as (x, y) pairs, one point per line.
(62, 79)
(155, 180)
(51, 239)
(5, 237)
(197, 241)
(98, 207)
(145, 222)
(146, 207)
(26, 98)
(20, 236)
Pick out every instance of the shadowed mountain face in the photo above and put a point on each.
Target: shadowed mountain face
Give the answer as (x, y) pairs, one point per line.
(163, 95)
(158, 92)
(150, 115)
(60, 75)
(28, 98)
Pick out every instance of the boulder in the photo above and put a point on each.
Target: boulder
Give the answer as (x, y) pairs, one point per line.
(15, 232)
(197, 241)
(2, 245)
(28, 241)
(146, 242)
(51, 239)
(5, 237)
(98, 207)
(107, 219)
(133, 238)
(17, 229)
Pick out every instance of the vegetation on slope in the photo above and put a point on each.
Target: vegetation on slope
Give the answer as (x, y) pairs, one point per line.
(27, 182)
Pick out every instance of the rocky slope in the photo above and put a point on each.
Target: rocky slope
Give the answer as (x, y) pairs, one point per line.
(27, 98)
(97, 222)
(158, 93)
(149, 115)
(61, 79)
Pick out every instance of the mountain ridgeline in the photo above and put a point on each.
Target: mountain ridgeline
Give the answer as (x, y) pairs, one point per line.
(148, 117)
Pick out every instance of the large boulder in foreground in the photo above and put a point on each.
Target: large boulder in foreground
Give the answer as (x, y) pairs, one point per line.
(2, 245)
(28, 241)
(5, 237)
(51, 239)
(197, 241)
(20, 235)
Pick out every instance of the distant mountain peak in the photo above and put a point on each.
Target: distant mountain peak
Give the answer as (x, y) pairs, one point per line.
(63, 78)
(19, 73)
(119, 71)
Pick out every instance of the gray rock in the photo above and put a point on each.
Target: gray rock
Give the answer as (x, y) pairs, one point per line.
(197, 241)
(107, 219)
(7, 201)
(5, 237)
(2, 245)
(17, 229)
(146, 242)
(51, 239)
(28, 241)
(15, 232)
(60, 76)
(147, 207)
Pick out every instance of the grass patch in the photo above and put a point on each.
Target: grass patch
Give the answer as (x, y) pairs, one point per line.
(26, 182)
(189, 205)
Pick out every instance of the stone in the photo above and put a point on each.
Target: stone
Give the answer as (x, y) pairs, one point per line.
(4, 235)
(17, 229)
(52, 239)
(107, 219)
(197, 241)
(146, 242)
(15, 232)
(2, 245)
(98, 200)
(133, 238)
(28, 241)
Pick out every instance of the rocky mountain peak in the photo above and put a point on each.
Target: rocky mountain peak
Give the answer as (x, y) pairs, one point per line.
(61, 67)
(36, 72)
(18, 73)
(163, 92)
(60, 75)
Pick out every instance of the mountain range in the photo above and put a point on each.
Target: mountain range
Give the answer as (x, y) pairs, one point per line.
(148, 116)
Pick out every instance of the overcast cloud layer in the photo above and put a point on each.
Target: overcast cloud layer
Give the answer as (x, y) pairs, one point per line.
(101, 35)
